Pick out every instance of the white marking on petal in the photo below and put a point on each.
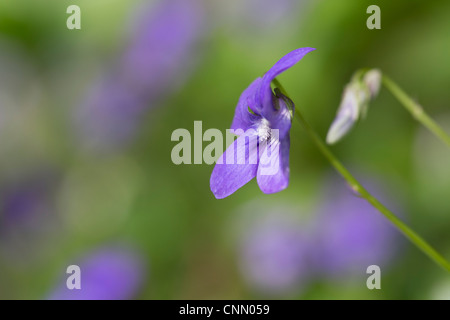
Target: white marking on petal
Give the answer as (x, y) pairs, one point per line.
(264, 130)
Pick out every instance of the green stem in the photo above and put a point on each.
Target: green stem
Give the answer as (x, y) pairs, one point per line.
(355, 185)
(417, 240)
(416, 110)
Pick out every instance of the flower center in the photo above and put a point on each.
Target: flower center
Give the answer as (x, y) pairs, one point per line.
(264, 131)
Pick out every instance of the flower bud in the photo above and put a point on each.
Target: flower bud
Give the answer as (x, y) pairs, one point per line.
(358, 93)
(346, 116)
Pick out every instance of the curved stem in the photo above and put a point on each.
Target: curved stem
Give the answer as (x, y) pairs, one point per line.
(416, 110)
(355, 185)
(417, 240)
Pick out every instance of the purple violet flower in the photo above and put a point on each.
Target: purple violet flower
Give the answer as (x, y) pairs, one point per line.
(108, 274)
(266, 118)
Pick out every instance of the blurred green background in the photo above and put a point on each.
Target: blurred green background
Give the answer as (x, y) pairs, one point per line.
(131, 193)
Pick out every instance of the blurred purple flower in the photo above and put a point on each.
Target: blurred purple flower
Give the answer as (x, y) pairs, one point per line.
(352, 234)
(27, 212)
(111, 114)
(250, 17)
(26, 200)
(163, 47)
(265, 14)
(22, 202)
(275, 254)
(107, 274)
(158, 59)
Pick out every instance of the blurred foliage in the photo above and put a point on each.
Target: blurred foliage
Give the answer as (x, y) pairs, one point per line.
(138, 196)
